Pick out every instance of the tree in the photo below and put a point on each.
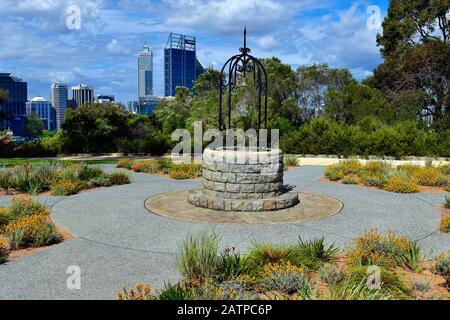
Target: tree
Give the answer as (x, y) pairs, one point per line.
(33, 126)
(95, 128)
(416, 48)
(412, 23)
(355, 102)
(315, 81)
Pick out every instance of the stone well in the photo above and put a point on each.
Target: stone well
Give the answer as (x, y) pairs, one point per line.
(238, 179)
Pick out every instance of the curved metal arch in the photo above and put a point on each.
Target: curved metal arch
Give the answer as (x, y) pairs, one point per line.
(242, 64)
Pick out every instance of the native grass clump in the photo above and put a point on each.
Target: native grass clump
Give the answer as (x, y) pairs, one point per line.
(26, 223)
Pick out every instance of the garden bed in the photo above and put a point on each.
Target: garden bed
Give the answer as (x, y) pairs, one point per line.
(406, 178)
(163, 167)
(55, 178)
(307, 270)
(25, 228)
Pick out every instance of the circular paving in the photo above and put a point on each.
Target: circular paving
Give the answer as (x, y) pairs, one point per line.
(175, 205)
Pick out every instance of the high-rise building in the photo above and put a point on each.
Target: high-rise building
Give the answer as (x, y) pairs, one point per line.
(44, 110)
(145, 73)
(82, 94)
(105, 98)
(181, 66)
(59, 102)
(13, 111)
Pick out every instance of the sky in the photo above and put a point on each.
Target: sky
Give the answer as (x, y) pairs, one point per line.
(43, 41)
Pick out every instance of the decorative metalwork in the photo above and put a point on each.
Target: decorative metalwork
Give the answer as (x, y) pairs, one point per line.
(239, 66)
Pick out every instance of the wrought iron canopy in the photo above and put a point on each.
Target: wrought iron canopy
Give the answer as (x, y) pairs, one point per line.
(239, 66)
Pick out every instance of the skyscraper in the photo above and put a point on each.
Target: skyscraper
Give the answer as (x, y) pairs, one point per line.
(181, 66)
(44, 110)
(59, 102)
(13, 112)
(145, 74)
(82, 94)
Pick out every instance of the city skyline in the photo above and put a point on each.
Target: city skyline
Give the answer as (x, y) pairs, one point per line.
(103, 54)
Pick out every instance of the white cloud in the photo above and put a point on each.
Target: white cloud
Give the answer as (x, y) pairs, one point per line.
(266, 42)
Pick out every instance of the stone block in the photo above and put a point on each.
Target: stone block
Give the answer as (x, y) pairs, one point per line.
(233, 188)
(248, 188)
(219, 186)
(228, 177)
(270, 205)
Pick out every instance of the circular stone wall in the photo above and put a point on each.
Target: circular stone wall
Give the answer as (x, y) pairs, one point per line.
(174, 205)
(245, 180)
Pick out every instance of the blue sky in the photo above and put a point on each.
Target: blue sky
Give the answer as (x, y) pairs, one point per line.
(37, 46)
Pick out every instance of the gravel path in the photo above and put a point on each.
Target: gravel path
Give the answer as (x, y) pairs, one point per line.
(119, 243)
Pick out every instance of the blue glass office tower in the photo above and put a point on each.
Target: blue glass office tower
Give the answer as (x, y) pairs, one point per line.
(44, 110)
(181, 67)
(13, 112)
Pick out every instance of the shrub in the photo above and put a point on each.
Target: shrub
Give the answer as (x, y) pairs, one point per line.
(180, 175)
(4, 250)
(422, 285)
(331, 274)
(101, 181)
(87, 173)
(262, 254)
(373, 181)
(118, 178)
(125, 163)
(290, 161)
(427, 176)
(5, 217)
(34, 231)
(372, 248)
(231, 265)
(390, 282)
(148, 166)
(444, 225)
(5, 181)
(353, 288)
(412, 257)
(141, 292)
(446, 203)
(198, 255)
(400, 185)
(22, 207)
(335, 175)
(64, 187)
(314, 252)
(349, 181)
(175, 292)
(284, 277)
(443, 267)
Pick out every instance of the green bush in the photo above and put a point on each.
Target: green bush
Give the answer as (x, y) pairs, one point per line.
(5, 217)
(290, 161)
(33, 231)
(64, 187)
(391, 283)
(447, 202)
(411, 258)
(314, 252)
(406, 138)
(118, 178)
(372, 248)
(4, 250)
(101, 181)
(284, 278)
(198, 258)
(263, 254)
(23, 207)
(175, 292)
(231, 265)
